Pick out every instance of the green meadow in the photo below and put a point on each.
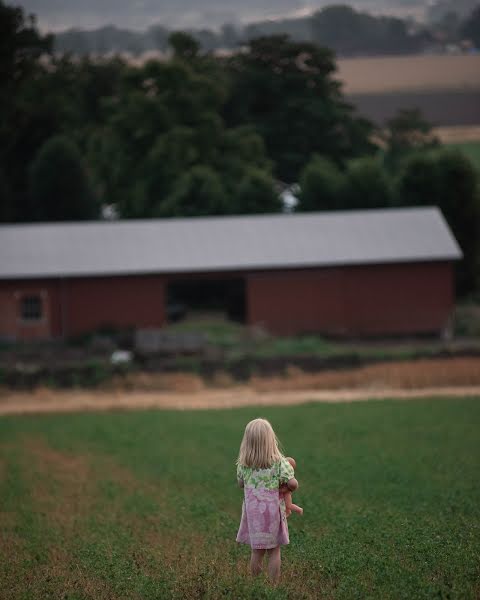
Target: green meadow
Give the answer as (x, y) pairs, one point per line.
(145, 505)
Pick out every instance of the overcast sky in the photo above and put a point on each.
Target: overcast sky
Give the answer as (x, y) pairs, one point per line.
(57, 15)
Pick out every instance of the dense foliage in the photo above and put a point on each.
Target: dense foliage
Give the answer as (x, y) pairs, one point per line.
(287, 91)
(59, 187)
(202, 135)
(192, 135)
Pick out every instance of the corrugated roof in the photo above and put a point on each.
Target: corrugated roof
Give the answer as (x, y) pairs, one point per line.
(225, 243)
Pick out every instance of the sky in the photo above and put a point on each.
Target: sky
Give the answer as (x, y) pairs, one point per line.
(57, 15)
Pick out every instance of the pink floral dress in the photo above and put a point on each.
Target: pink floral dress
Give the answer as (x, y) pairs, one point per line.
(264, 523)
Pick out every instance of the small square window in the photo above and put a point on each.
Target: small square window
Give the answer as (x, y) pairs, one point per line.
(31, 308)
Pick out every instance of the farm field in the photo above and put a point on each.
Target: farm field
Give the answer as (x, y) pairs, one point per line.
(443, 108)
(409, 73)
(458, 135)
(445, 88)
(144, 504)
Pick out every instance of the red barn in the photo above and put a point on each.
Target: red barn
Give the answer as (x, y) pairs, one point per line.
(355, 273)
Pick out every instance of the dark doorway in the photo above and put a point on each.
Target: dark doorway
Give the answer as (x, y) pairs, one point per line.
(198, 297)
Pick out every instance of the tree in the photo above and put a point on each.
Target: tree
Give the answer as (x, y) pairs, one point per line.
(418, 180)
(448, 179)
(406, 132)
(159, 36)
(321, 186)
(459, 199)
(229, 36)
(256, 194)
(164, 122)
(156, 175)
(198, 192)
(60, 189)
(6, 205)
(349, 32)
(367, 185)
(184, 45)
(447, 28)
(286, 91)
(470, 28)
(21, 46)
(241, 147)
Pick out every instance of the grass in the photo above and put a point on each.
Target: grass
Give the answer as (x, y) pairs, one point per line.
(143, 505)
(237, 342)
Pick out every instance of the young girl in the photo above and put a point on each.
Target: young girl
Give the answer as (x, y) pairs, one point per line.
(261, 470)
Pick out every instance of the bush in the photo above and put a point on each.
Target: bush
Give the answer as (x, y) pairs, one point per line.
(367, 185)
(321, 186)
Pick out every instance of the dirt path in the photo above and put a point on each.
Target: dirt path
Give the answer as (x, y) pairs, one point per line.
(421, 378)
(49, 401)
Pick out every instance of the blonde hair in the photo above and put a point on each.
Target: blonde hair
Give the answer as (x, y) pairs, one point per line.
(260, 447)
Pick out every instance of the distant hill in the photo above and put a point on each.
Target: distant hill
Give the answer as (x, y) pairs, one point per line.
(443, 8)
(347, 31)
(58, 15)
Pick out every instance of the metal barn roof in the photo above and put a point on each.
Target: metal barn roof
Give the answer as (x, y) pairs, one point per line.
(225, 243)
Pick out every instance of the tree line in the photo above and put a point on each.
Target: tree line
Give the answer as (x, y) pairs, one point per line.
(204, 135)
(347, 31)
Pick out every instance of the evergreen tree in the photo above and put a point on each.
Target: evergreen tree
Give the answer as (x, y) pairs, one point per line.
(60, 189)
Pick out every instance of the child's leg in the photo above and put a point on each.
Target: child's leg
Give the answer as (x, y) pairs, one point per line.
(274, 561)
(256, 561)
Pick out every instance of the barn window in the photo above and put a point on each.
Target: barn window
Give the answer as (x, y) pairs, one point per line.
(31, 308)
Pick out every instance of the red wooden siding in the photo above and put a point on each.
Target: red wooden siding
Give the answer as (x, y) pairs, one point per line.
(75, 306)
(117, 301)
(389, 299)
(359, 300)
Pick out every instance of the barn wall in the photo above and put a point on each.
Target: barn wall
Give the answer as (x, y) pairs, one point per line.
(75, 306)
(114, 301)
(355, 300)
(344, 301)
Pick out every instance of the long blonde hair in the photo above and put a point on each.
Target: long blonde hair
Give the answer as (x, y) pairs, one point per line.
(260, 447)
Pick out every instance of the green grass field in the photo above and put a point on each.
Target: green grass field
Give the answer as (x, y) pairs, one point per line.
(144, 504)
